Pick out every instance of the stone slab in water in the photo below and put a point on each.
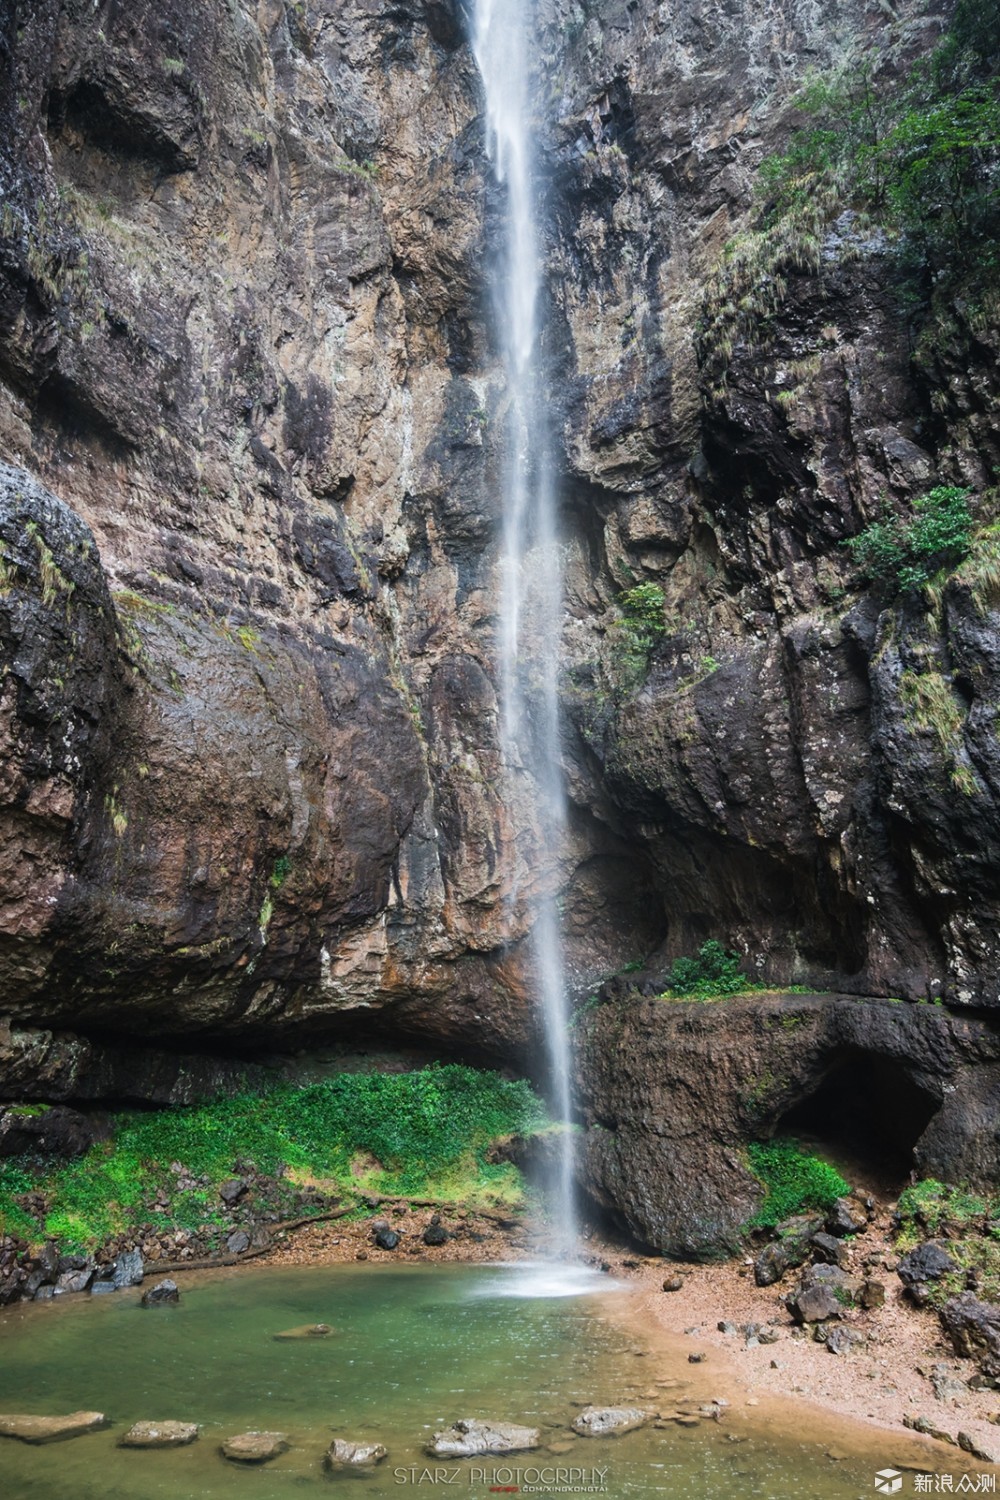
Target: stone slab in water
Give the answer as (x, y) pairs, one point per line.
(51, 1429)
(255, 1447)
(305, 1331)
(159, 1435)
(609, 1421)
(343, 1454)
(469, 1437)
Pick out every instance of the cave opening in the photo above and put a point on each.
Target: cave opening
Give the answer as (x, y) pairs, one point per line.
(865, 1117)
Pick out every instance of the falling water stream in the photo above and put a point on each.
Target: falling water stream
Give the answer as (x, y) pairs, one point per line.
(531, 572)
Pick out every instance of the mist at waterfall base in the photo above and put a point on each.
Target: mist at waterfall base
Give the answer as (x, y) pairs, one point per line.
(530, 614)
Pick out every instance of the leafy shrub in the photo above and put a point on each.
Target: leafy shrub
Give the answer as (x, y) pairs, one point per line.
(795, 1182)
(638, 624)
(423, 1133)
(906, 554)
(715, 972)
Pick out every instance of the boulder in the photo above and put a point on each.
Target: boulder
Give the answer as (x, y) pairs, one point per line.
(163, 1292)
(159, 1435)
(436, 1234)
(848, 1216)
(386, 1238)
(255, 1447)
(51, 1429)
(469, 1436)
(928, 1262)
(974, 1330)
(609, 1421)
(129, 1269)
(232, 1191)
(238, 1242)
(304, 1331)
(813, 1303)
(795, 1236)
(829, 1250)
(771, 1264)
(74, 1281)
(344, 1455)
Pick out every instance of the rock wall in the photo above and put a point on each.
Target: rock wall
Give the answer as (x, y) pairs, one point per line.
(251, 415)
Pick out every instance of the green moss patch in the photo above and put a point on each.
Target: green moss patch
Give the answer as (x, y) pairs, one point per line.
(420, 1134)
(794, 1181)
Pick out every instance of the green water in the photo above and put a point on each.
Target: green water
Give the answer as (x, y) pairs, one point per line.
(415, 1348)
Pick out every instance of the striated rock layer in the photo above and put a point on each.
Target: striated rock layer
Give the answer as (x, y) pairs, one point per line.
(251, 415)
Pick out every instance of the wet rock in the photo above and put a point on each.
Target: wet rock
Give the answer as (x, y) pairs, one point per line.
(255, 1447)
(342, 1454)
(771, 1264)
(163, 1292)
(159, 1435)
(470, 1436)
(51, 1429)
(305, 1331)
(609, 1421)
(386, 1238)
(129, 1270)
(74, 1281)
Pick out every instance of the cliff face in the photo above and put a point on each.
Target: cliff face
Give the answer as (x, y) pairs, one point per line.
(252, 417)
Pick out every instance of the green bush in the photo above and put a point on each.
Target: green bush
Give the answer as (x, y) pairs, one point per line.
(424, 1133)
(715, 972)
(795, 1182)
(906, 553)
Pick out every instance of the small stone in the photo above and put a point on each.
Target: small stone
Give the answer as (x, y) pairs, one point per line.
(872, 1295)
(436, 1234)
(238, 1242)
(344, 1455)
(843, 1340)
(232, 1191)
(727, 1328)
(255, 1447)
(696, 1359)
(386, 1238)
(828, 1249)
(470, 1436)
(51, 1429)
(162, 1293)
(159, 1435)
(674, 1284)
(609, 1421)
(771, 1264)
(968, 1444)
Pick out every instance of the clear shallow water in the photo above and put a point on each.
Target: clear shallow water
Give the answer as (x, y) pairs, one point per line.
(415, 1348)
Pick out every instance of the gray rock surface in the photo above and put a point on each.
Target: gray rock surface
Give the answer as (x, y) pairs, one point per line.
(470, 1436)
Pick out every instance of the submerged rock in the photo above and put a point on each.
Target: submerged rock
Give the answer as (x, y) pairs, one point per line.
(469, 1436)
(344, 1455)
(159, 1435)
(255, 1447)
(51, 1429)
(163, 1292)
(609, 1421)
(304, 1331)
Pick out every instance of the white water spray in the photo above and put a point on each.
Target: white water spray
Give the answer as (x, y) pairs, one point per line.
(531, 564)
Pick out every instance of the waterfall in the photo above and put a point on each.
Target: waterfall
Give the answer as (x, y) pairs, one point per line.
(531, 574)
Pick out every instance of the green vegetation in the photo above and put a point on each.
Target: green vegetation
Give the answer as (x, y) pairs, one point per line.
(714, 973)
(422, 1134)
(969, 1221)
(906, 553)
(916, 159)
(794, 1181)
(638, 624)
